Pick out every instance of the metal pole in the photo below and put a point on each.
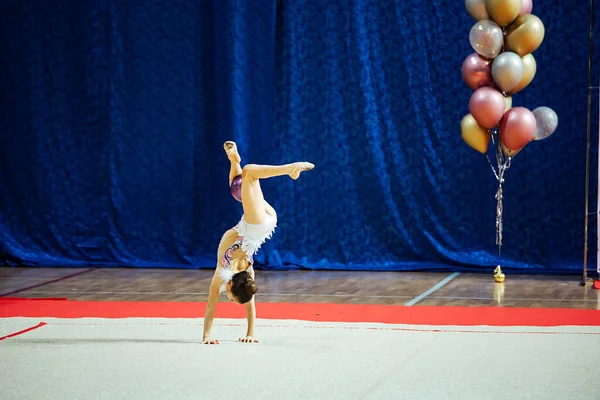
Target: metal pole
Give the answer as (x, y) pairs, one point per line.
(587, 153)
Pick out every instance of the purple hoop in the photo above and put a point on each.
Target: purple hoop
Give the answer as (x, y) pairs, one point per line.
(236, 188)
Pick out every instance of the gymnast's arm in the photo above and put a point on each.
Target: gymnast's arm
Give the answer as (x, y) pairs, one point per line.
(250, 315)
(213, 297)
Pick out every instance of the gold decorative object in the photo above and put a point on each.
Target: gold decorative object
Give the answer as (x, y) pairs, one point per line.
(499, 275)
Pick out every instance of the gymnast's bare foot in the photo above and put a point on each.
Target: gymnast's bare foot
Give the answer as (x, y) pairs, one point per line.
(232, 152)
(298, 167)
(248, 339)
(210, 341)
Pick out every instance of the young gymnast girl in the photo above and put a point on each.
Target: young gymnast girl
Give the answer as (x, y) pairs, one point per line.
(234, 274)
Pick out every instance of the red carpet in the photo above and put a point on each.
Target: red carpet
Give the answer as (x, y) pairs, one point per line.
(461, 316)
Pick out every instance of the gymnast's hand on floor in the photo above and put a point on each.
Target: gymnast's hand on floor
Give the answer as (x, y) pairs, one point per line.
(210, 341)
(248, 339)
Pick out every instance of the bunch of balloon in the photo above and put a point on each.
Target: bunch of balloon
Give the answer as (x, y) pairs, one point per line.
(504, 36)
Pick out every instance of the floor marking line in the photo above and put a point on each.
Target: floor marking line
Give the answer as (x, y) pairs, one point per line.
(13, 299)
(356, 328)
(367, 296)
(433, 289)
(206, 294)
(48, 282)
(23, 331)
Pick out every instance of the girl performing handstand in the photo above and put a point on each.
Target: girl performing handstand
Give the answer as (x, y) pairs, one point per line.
(235, 273)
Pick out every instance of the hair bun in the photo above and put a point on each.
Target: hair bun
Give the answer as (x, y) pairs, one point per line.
(251, 287)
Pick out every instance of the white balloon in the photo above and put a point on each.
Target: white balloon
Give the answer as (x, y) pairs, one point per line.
(486, 38)
(546, 122)
(507, 71)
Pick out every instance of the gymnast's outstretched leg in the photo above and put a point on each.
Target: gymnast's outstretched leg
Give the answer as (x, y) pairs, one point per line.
(256, 209)
(235, 169)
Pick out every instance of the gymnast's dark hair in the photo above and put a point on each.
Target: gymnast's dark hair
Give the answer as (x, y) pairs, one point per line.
(243, 286)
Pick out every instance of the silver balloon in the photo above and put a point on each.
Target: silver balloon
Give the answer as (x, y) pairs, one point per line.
(546, 122)
(486, 38)
(476, 9)
(507, 71)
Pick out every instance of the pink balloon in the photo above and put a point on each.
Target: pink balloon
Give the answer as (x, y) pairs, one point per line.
(477, 72)
(526, 7)
(487, 107)
(517, 128)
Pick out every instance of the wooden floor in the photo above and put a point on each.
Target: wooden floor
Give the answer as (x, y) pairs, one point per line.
(396, 288)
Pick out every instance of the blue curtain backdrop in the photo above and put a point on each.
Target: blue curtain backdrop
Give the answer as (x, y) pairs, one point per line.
(113, 115)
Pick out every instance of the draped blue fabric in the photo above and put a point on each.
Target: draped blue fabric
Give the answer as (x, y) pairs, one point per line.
(114, 114)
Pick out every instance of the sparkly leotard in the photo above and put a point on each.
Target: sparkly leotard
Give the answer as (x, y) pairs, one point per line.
(228, 255)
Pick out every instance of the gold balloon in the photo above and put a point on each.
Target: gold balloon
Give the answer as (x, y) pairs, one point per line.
(507, 103)
(477, 10)
(529, 70)
(503, 12)
(525, 35)
(474, 134)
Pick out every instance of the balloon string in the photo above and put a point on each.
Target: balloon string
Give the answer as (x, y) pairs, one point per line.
(499, 210)
(499, 154)
(492, 167)
(503, 164)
